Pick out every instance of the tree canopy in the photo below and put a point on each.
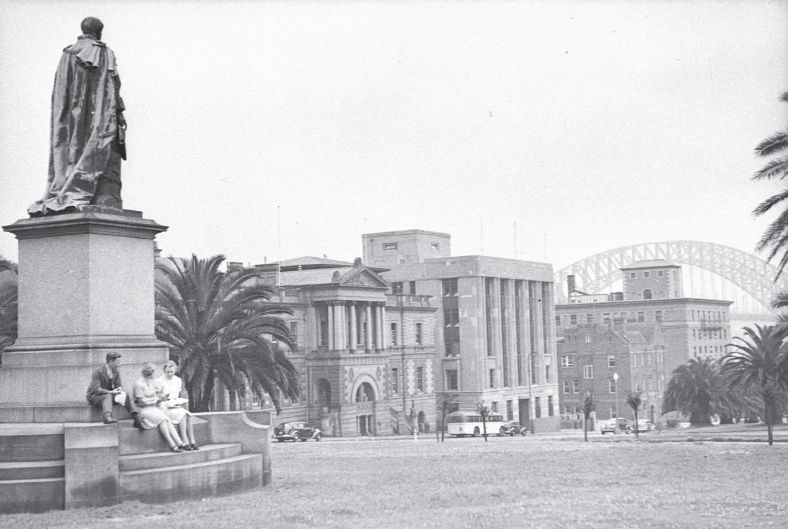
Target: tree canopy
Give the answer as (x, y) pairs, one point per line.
(222, 327)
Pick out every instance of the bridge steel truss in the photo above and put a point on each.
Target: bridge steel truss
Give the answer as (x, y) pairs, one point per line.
(746, 271)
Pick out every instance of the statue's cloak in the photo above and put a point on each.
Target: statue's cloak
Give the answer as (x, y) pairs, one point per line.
(86, 105)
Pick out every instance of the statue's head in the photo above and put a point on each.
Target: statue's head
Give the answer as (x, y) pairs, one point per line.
(92, 26)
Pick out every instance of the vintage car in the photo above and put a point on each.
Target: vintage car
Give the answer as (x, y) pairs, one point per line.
(614, 426)
(513, 428)
(296, 431)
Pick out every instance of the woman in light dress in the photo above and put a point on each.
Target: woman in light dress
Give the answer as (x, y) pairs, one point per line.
(172, 389)
(147, 396)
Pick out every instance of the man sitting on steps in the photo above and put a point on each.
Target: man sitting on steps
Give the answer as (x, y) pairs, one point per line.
(105, 385)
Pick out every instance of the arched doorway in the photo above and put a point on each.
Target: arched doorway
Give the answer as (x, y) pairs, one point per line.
(364, 398)
(422, 421)
(647, 294)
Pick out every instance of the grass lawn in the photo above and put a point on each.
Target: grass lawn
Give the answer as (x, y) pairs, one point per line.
(508, 482)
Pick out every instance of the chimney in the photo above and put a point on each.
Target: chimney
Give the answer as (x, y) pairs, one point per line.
(570, 283)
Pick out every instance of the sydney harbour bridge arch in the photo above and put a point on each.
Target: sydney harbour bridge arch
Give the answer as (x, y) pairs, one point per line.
(708, 270)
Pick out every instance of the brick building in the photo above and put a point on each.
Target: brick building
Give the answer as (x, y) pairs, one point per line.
(494, 325)
(652, 298)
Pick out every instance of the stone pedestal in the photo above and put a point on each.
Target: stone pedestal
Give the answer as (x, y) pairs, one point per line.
(86, 287)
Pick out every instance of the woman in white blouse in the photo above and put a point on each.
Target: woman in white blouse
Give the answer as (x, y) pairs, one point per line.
(174, 395)
(147, 397)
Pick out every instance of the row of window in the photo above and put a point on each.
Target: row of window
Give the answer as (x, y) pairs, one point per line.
(702, 334)
(395, 380)
(419, 334)
(713, 315)
(647, 274)
(397, 287)
(704, 350)
(568, 361)
(590, 319)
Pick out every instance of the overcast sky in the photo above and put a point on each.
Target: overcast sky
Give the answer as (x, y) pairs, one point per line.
(589, 125)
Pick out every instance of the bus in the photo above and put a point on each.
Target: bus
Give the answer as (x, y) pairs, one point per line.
(462, 423)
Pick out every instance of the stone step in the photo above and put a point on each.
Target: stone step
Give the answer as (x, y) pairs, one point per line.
(24, 442)
(166, 459)
(132, 440)
(57, 414)
(32, 495)
(21, 470)
(192, 481)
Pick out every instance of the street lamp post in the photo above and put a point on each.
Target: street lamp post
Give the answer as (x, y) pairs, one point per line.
(615, 379)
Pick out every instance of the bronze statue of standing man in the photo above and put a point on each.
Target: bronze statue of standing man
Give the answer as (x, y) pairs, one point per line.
(87, 134)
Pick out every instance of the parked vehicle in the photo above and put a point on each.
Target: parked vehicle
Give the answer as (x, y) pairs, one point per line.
(296, 431)
(512, 428)
(462, 423)
(615, 426)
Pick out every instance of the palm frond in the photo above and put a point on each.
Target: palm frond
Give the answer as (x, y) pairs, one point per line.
(773, 144)
(776, 168)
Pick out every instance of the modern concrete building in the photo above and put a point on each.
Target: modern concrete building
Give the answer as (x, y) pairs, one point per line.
(494, 326)
(672, 329)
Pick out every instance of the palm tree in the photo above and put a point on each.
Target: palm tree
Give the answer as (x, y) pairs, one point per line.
(775, 238)
(698, 389)
(757, 364)
(634, 401)
(221, 328)
(8, 306)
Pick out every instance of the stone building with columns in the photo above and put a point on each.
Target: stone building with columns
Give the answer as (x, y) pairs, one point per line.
(366, 355)
(494, 325)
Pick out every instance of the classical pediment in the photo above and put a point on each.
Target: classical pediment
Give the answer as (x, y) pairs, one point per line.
(362, 277)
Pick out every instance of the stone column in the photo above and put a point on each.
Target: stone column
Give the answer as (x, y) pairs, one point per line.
(353, 327)
(381, 327)
(368, 345)
(341, 320)
(331, 343)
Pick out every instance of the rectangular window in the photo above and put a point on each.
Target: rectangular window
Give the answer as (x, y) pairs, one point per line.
(537, 407)
(509, 411)
(396, 287)
(435, 246)
(589, 319)
(547, 374)
(412, 287)
(611, 360)
(573, 319)
(394, 380)
(393, 334)
(658, 316)
(646, 274)
(419, 336)
(492, 378)
(451, 380)
(550, 411)
(566, 361)
(557, 320)
(588, 371)
(294, 332)
(606, 318)
(494, 407)
(641, 317)
(575, 386)
(388, 246)
(661, 273)
(633, 275)
(419, 379)
(567, 386)
(612, 412)
(611, 385)
(449, 287)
